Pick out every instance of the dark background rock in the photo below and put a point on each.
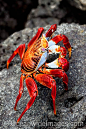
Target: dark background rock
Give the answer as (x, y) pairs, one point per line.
(15, 15)
(81, 4)
(70, 105)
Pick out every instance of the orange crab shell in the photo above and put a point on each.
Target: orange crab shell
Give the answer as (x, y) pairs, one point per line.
(35, 55)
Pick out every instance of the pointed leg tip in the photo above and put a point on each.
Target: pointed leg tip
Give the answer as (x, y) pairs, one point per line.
(7, 64)
(66, 89)
(55, 110)
(70, 49)
(69, 54)
(17, 121)
(55, 113)
(15, 109)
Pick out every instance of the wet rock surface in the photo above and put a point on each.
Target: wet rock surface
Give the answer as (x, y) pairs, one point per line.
(70, 105)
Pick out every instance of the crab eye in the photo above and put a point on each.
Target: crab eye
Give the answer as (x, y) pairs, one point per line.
(52, 30)
(54, 27)
(43, 50)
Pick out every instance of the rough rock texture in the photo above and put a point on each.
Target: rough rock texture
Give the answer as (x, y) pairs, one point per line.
(45, 12)
(13, 14)
(57, 11)
(70, 105)
(81, 4)
(48, 2)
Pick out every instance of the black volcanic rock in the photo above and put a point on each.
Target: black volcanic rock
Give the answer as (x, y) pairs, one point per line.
(70, 105)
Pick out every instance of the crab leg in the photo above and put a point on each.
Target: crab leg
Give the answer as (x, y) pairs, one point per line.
(33, 92)
(37, 36)
(20, 50)
(49, 82)
(59, 62)
(20, 90)
(58, 38)
(57, 73)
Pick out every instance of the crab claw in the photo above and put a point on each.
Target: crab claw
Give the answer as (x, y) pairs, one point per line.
(63, 51)
(57, 39)
(57, 49)
(59, 62)
(63, 63)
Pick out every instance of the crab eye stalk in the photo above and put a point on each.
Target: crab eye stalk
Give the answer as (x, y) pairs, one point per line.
(51, 30)
(54, 27)
(44, 42)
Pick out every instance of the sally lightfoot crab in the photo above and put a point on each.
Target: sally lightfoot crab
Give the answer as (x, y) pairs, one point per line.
(34, 64)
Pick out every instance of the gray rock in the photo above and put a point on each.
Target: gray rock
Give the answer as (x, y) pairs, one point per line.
(70, 105)
(45, 13)
(81, 4)
(41, 22)
(49, 2)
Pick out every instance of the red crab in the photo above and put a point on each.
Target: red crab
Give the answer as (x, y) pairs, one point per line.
(34, 64)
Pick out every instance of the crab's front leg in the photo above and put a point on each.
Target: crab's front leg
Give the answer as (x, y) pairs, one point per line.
(58, 38)
(57, 73)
